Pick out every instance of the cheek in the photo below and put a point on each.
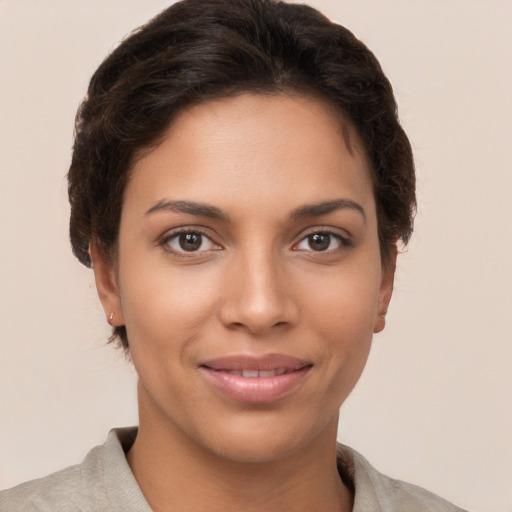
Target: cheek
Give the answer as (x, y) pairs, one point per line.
(342, 315)
(345, 327)
(346, 335)
(344, 302)
(163, 309)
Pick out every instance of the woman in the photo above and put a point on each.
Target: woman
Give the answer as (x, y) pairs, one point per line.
(239, 185)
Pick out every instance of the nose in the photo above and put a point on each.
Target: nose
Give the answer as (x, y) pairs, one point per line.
(259, 296)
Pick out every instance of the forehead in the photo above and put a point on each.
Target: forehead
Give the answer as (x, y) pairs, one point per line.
(270, 149)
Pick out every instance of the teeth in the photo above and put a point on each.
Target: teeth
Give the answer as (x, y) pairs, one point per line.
(250, 373)
(253, 374)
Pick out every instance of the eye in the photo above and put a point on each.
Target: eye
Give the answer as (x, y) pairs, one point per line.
(321, 241)
(189, 242)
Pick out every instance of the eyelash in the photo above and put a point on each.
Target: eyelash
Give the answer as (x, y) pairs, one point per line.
(345, 242)
(168, 237)
(165, 240)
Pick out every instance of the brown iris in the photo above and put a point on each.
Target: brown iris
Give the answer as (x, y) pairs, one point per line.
(190, 241)
(319, 241)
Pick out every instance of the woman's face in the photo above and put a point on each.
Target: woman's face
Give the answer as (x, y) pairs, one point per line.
(248, 275)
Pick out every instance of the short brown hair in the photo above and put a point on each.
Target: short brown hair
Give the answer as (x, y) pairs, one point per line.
(203, 49)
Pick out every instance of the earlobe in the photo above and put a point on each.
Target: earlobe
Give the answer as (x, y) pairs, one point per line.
(106, 285)
(386, 290)
(380, 323)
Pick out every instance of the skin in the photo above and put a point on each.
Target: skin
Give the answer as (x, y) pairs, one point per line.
(256, 285)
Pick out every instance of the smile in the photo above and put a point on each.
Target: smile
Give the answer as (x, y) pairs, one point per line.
(255, 374)
(256, 379)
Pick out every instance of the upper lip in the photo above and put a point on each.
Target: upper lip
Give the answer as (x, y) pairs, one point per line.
(267, 362)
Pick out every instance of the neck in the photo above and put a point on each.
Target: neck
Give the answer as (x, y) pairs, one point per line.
(176, 473)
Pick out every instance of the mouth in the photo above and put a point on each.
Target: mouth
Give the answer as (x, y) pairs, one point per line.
(256, 379)
(255, 374)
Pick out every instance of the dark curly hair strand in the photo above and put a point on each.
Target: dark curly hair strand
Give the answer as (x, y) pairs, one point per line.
(198, 50)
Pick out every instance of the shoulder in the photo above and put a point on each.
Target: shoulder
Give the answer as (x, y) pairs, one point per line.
(102, 482)
(376, 491)
(53, 492)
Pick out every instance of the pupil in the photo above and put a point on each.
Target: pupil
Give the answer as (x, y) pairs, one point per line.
(190, 241)
(319, 242)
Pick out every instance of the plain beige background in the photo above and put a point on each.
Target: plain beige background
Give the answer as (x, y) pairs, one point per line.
(434, 404)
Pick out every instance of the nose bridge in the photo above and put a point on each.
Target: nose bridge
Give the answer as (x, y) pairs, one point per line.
(259, 296)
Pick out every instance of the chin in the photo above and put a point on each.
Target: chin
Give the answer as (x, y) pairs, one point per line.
(267, 439)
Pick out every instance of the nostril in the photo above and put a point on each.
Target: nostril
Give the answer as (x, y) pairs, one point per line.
(257, 313)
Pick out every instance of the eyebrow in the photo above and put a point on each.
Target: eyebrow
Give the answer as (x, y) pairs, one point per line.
(206, 210)
(324, 207)
(190, 207)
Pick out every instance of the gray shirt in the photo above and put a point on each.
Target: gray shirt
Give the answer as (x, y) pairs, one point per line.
(103, 482)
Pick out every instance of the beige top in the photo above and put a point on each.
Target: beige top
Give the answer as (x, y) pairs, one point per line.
(103, 482)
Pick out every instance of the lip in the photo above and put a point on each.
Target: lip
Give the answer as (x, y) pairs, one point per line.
(278, 376)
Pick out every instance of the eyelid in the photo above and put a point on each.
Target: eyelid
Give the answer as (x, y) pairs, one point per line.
(175, 232)
(345, 239)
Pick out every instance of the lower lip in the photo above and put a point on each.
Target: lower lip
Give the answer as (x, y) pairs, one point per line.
(256, 389)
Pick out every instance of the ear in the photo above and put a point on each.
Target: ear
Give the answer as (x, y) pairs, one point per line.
(386, 290)
(106, 285)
